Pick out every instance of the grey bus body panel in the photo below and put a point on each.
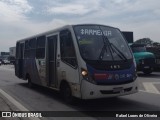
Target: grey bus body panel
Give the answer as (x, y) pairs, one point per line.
(52, 70)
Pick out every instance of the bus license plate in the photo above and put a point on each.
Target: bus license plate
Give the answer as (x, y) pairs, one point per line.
(118, 89)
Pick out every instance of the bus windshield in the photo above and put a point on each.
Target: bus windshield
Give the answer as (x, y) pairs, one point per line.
(101, 43)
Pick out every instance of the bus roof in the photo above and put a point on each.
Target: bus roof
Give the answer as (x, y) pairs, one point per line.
(58, 29)
(47, 32)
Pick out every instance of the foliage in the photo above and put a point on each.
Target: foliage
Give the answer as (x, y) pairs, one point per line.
(148, 42)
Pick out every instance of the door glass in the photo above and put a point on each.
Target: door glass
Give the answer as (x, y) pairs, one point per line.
(67, 48)
(52, 50)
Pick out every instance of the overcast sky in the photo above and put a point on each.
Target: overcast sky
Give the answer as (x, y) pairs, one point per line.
(23, 18)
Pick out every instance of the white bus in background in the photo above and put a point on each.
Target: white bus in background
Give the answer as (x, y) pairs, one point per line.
(85, 61)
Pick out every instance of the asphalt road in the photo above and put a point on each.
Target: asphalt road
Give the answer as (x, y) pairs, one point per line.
(42, 99)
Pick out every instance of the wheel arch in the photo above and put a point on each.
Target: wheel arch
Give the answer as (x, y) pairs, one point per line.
(62, 83)
(27, 76)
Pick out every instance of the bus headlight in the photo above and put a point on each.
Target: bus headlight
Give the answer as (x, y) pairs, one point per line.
(86, 76)
(84, 72)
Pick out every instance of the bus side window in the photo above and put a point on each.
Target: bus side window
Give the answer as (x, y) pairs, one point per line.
(26, 51)
(32, 45)
(40, 49)
(67, 48)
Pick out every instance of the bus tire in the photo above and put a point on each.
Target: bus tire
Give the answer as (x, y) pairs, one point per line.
(66, 93)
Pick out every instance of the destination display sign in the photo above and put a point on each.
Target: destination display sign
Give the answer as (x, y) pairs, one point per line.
(96, 32)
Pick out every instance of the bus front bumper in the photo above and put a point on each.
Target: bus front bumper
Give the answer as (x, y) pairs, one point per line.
(92, 91)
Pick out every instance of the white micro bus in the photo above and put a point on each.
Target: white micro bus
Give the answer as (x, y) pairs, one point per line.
(85, 61)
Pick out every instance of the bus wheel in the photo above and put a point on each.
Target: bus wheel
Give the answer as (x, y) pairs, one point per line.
(66, 93)
(30, 84)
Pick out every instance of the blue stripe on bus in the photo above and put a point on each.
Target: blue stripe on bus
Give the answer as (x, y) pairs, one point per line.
(116, 76)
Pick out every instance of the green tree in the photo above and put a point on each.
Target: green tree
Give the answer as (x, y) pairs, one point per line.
(146, 41)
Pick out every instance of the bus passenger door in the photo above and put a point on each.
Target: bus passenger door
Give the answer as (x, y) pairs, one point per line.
(51, 60)
(19, 60)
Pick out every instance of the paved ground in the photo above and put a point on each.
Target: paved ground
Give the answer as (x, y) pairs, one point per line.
(6, 105)
(5, 101)
(41, 99)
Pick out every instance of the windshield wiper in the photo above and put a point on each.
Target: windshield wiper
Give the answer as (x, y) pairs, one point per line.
(119, 53)
(103, 51)
(110, 45)
(105, 41)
